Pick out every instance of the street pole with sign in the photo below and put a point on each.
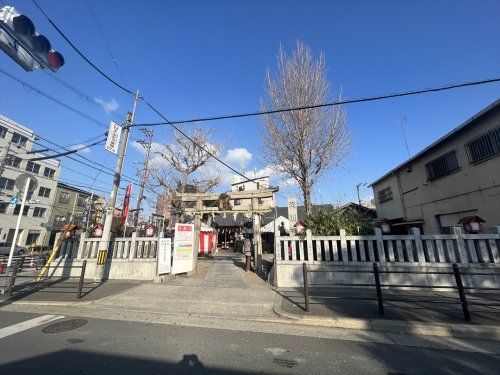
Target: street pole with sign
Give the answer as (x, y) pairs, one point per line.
(106, 233)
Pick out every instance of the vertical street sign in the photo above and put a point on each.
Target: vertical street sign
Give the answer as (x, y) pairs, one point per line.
(126, 203)
(292, 210)
(164, 256)
(113, 139)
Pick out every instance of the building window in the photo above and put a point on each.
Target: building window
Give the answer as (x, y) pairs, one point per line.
(237, 202)
(39, 212)
(32, 237)
(385, 195)
(19, 140)
(64, 197)
(258, 185)
(59, 221)
(3, 207)
(13, 161)
(81, 200)
(33, 167)
(241, 188)
(18, 208)
(44, 192)
(7, 183)
(49, 172)
(3, 132)
(484, 146)
(442, 166)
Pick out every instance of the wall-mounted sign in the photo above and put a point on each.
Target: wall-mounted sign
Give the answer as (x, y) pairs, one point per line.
(183, 248)
(113, 139)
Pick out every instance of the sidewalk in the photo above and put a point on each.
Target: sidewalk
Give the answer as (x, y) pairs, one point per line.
(358, 308)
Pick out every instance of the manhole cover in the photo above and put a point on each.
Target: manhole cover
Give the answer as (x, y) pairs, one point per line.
(66, 325)
(285, 362)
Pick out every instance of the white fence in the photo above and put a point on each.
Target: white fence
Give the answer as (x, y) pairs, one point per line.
(129, 258)
(119, 248)
(414, 250)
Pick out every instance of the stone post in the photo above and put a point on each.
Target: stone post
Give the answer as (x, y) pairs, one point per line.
(462, 252)
(132, 249)
(310, 253)
(343, 247)
(419, 246)
(197, 230)
(81, 245)
(380, 246)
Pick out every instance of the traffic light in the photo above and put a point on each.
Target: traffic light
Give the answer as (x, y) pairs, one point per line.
(20, 40)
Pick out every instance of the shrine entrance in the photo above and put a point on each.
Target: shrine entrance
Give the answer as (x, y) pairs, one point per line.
(249, 205)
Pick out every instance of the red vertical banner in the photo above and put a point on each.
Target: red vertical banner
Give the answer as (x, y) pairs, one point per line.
(126, 203)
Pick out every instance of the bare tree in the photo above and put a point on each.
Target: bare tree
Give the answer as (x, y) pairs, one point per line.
(303, 144)
(182, 166)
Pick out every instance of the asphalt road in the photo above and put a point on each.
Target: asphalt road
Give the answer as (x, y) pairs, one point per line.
(99, 346)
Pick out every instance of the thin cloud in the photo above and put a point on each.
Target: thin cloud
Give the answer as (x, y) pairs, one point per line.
(238, 156)
(108, 106)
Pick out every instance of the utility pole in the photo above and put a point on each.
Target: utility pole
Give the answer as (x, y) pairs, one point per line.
(106, 233)
(145, 172)
(357, 188)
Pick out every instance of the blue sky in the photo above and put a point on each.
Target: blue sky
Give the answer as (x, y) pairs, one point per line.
(201, 58)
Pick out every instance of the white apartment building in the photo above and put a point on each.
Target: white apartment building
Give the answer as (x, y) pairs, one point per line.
(242, 184)
(16, 144)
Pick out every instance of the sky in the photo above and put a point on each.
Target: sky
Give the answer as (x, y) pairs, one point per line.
(202, 58)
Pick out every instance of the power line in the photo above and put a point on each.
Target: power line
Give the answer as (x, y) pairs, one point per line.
(80, 53)
(106, 43)
(66, 153)
(341, 102)
(67, 106)
(80, 93)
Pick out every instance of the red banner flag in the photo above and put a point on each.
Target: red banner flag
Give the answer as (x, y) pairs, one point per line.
(126, 203)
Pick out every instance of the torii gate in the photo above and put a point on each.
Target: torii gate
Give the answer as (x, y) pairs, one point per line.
(218, 203)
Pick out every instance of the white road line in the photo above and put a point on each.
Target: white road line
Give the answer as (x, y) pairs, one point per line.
(23, 326)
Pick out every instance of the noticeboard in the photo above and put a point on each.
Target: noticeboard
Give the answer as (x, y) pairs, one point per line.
(183, 248)
(164, 256)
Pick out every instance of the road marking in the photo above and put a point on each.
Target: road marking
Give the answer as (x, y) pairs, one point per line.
(23, 326)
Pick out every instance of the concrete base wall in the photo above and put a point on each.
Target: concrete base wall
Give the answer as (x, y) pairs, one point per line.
(116, 269)
(291, 276)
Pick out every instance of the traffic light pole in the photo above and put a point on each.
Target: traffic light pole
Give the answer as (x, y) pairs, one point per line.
(106, 233)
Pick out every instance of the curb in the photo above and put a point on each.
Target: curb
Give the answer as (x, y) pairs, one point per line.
(462, 331)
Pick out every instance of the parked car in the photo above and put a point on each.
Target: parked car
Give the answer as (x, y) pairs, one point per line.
(18, 250)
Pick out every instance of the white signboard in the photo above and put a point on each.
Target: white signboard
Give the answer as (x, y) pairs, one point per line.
(113, 140)
(292, 210)
(164, 256)
(183, 248)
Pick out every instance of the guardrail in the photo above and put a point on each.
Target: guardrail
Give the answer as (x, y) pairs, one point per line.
(17, 266)
(379, 286)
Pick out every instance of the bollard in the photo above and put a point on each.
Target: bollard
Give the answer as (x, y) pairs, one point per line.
(82, 277)
(461, 292)
(12, 279)
(379, 289)
(306, 287)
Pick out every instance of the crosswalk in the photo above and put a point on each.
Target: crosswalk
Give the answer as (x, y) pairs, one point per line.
(28, 324)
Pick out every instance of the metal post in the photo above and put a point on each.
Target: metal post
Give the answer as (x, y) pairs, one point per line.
(18, 224)
(82, 277)
(106, 233)
(145, 173)
(379, 289)
(12, 279)
(461, 292)
(306, 286)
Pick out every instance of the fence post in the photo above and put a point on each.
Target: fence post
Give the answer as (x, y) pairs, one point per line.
(419, 246)
(12, 280)
(464, 259)
(79, 254)
(461, 292)
(306, 286)
(82, 277)
(379, 289)
(277, 244)
(310, 253)
(132, 250)
(380, 246)
(343, 247)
